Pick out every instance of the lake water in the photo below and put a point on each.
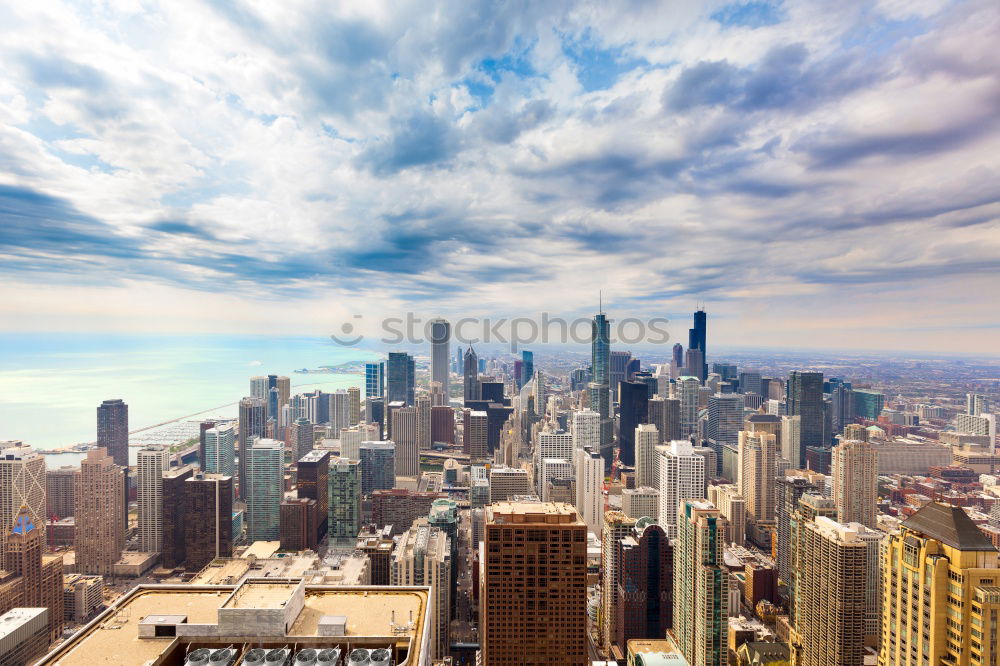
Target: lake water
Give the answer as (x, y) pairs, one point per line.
(51, 384)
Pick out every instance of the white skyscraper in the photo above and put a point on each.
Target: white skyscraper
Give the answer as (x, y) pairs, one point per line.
(220, 450)
(440, 354)
(589, 486)
(586, 429)
(682, 476)
(687, 390)
(404, 434)
(647, 467)
(554, 468)
(151, 463)
(340, 410)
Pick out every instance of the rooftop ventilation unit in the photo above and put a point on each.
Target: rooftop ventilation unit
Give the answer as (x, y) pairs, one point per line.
(381, 657)
(359, 657)
(254, 657)
(306, 657)
(328, 657)
(198, 658)
(223, 657)
(278, 657)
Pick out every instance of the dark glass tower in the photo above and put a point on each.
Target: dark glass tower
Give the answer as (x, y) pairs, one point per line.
(632, 400)
(600, 389)
(696, 338)
(805, 400)
(112, 429)
(470, 374)
(400, 375)
(527, 368)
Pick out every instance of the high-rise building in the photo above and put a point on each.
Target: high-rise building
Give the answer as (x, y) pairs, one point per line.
(676, 358)
(374, 381)
(423, 557)
(344, 515)
(791, 441)
(476, 434)
(26, 635)
(647, 463)
(697, 337)
(112, 429)
(868, 404)
(22, 484)
(100, 513)
(589, 476)
(682, 476)
(253, 423)
(423, 409)
(313, 482)
(830, 594)
(299, 523)
(732, 506)
(854, 466)
(585, 427)
(617, 526)
(618, 369)
(440, 353)
(353, 406)
(470, 375)
(265, 471)
(301, 437)
(400, 507)
(208, 519)
(701, 585)
(220, 450)
(687, 389)
(340, 410)
(60, 497)
(789, 490)
(527, 368)
(151, 463)
(976, 404)
(173, 550)
(600, 387)
(725, 419)
(758, 455)
(805, 400)
(644, 597)
(400, 374)
(641, 502)
(405, 435)
(507, 483)
(940, 585)
(632, 399)
(377, 465)
(442, 425)
(533, 603)
(31, 579)
(810, 507)
(750, 382)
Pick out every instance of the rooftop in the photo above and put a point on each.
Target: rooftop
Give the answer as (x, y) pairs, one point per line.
(950, 525)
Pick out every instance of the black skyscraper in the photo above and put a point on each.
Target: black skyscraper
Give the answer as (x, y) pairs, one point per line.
(696, 338)
(112, 429)
(632, 399)
(470, 374)
(805, 400)
(400, 377)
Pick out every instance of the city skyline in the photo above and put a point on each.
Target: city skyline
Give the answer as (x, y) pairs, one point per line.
(780, 162)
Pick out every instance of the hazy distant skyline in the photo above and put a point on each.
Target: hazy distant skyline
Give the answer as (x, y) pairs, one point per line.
(818, 174)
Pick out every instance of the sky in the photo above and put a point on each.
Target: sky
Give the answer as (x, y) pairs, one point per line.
(817, 174)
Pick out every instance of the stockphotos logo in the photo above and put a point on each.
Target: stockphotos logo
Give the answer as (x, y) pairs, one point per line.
(515, 333)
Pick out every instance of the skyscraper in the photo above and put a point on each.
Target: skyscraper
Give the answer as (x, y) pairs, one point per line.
(470, 375)
(644, 597)
(32, 579)
(789, 490)
(527, 368)
(353, 405)
(405, 435)
(618, 362)
(265, 471)
(344, 515)
(855, 482)
(378, 468)
(423, 408)
(805, 400)
(423, 557)
(585, 427)
(617, 526)
(220, 450)
(301, 437)
(374, 381)
(440, 354)
(632, 399)
(151, 463)
(173, 550)
(22, 484)
(701, 585)
(60, 498)
(682, 476)
(589, 475)
(758, 454)
(647, 463)
(697, 338)
(941, 603)
(687, 388)
(725, 419)
(112, 429)
(830, 595)
(533, 604)
(600, 386)
(313, 482)
(100, 513)
(208, 519)
(400, 377)
(253, 423)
